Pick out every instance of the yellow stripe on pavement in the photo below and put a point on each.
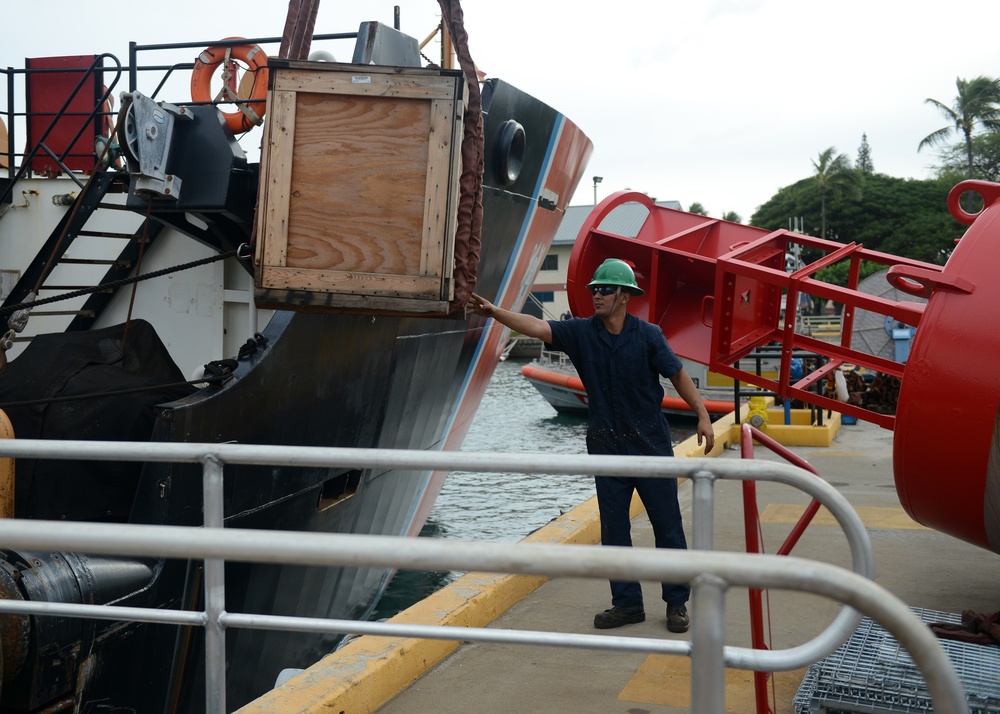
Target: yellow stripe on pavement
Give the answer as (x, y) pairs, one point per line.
(665, 680)
(873, 518)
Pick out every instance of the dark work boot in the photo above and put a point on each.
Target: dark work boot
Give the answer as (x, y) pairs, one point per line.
(618, 616)
(677, 618)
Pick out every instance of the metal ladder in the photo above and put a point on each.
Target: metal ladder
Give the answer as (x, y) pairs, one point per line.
(70, 232)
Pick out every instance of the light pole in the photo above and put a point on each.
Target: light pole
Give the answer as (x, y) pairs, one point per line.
(597, 180)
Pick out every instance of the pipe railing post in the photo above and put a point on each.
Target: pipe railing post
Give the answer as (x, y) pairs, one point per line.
(708, 639)
(215, 591)
(703, 511)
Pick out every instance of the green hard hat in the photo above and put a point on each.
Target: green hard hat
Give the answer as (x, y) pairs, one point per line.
(615, 272)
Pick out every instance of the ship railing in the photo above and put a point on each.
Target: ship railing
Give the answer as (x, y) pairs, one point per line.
(166, 71)
(553, 359)
(60, 130)
(710, 573)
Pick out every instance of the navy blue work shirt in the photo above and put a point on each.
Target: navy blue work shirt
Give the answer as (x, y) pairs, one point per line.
(621, 375)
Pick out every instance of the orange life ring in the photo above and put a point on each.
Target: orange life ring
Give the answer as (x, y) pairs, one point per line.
(247, 115)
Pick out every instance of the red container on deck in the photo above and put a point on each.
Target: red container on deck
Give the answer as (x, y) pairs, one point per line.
(61, 96)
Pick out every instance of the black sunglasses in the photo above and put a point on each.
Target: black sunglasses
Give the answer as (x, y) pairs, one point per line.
(604, 289)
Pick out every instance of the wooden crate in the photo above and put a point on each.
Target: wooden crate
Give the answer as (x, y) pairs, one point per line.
(359, 188)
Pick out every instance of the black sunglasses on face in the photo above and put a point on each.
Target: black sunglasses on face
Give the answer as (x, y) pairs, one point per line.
(604, 289)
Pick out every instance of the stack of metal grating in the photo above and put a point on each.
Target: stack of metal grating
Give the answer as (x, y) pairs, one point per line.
(871, 673)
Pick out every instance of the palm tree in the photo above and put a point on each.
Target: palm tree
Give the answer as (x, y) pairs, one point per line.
(978, 102)
(834, 175)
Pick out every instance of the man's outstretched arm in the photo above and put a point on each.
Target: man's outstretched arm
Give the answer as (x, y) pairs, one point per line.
(517, 321)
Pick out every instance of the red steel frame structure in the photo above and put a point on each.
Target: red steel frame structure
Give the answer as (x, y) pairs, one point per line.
(717, 288)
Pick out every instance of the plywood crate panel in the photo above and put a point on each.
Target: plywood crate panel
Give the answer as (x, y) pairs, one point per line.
(359, 188)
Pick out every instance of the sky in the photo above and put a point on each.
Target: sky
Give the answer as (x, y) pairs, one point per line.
(721, 102)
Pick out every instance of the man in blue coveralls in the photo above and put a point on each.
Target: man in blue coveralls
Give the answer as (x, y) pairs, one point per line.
(619, 359)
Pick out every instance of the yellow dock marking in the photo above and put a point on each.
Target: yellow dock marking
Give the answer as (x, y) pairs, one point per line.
(873, 518)
(665, 680)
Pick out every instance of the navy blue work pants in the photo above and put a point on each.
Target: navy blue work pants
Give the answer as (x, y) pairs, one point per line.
(659, 496)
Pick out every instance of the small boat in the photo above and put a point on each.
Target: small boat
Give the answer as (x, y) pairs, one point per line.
(555, 378)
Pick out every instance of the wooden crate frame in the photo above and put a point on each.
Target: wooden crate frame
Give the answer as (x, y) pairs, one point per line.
(359, 188)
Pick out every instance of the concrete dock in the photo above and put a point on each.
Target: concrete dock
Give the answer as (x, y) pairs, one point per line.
(921, 567)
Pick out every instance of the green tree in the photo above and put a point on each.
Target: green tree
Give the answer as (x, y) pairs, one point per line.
(904, 217)
(837, 273)
(977, 104)
(697, 208)
(864, 161)
(985, 159)
(732, 217)
(835, 177)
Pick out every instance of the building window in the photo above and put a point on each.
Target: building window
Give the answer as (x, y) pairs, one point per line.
(544, 297)
(551, 262)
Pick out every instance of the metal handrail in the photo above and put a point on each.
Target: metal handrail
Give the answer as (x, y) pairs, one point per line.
(710, 574)
(135, 48)
(18, 170)
(811, 321)
(17, 160)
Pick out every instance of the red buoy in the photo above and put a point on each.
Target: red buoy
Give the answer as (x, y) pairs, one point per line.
(717, 290)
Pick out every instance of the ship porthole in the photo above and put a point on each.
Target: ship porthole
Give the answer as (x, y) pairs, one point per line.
(510, 152)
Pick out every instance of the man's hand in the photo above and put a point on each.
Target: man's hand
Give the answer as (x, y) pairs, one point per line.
(480, 306)
(689, 393)
(706, 432)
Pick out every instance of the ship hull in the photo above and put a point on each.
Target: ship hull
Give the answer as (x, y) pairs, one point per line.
(327, 380)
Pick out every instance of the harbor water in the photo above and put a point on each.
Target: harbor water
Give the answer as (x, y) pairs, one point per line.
(513, 417)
